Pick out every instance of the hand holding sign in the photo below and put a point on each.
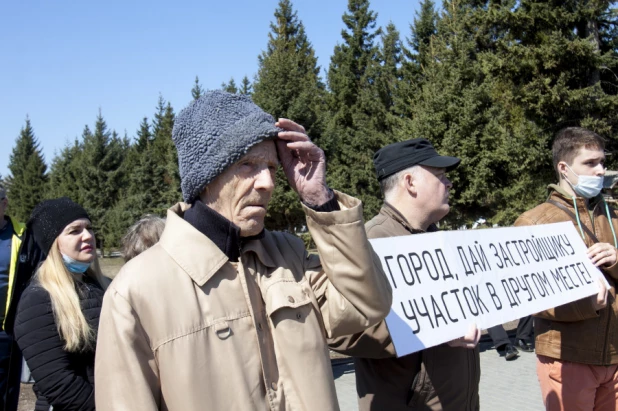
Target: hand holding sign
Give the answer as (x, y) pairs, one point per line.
(470, 340)
(599, 301)
(602, 254)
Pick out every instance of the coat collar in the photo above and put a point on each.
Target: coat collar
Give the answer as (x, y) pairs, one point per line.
(198, 255)
(217, 228)
(261, 248)
(391, 212)
(557, 193)
(18, 228)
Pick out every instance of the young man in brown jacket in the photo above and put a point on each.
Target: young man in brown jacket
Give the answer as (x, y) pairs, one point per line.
(413, 179)
(577, 343)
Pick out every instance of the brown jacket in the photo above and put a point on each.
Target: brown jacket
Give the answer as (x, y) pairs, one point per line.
(576, 332)
(184, 329)
(437, 378)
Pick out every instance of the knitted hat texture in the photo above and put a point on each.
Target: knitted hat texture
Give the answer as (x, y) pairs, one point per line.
(50, 217)
(214, 132)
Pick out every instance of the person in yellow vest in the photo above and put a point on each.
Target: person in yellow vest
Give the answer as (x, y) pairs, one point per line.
(11, 232)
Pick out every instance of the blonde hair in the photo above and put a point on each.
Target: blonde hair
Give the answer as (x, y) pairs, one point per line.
(54, 277)
(142, 235)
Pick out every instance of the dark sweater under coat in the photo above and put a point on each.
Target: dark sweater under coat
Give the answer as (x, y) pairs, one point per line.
(63, 379)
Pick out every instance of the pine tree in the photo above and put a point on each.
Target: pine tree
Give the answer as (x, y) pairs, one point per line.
(230, 87)
(288, 85)
(358, 123)
(164, 151)
(470, 113)
(245, 86)
(148, 187)
(64, 173)
(197, 91)
(416, 57)
(144, 189)
(101, 175)
(422, 31)
(28, 177)
(144, 136)
(562, 62)
(389, 79)
(541, 66)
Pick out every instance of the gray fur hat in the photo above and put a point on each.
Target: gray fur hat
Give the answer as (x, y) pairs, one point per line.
(213, 133)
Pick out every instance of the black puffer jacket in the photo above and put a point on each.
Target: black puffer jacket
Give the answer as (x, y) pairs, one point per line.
(63, 380)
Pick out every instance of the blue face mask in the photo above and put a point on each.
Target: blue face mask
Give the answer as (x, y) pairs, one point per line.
(587, 186)
(74, 266)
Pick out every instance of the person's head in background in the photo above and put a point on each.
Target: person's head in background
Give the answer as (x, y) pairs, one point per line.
(413, 179)
(579, 161)
(142, 235)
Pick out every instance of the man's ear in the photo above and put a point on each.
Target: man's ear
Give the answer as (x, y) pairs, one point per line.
(562, 168)
(410, 183)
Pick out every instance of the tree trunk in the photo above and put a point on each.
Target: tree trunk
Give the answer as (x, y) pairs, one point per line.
(592, 32)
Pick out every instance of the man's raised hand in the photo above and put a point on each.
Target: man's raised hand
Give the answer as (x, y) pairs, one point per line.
(303, 163)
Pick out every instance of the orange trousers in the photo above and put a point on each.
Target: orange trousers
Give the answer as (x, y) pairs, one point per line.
(569, 386)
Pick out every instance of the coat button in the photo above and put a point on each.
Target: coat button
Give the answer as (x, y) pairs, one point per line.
(299, 316)
(273, 385)
(291, 299)
(259, 326)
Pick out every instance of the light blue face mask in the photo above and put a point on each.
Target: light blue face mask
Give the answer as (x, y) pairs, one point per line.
(74, 266)
(587, 186)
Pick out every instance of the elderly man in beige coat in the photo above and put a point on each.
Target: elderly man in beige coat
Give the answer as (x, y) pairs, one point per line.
(222, 314)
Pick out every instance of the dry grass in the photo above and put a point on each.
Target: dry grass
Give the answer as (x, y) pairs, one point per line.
(111, 265)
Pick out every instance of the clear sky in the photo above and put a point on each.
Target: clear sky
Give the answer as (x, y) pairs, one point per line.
(62, 61)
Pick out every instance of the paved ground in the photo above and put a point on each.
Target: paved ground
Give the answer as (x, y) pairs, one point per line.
(505, 386)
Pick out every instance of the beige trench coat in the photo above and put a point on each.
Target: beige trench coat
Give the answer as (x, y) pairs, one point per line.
(184, 329)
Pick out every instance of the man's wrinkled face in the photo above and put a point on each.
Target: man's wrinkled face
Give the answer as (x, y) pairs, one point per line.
(242, 192)
(433, 191)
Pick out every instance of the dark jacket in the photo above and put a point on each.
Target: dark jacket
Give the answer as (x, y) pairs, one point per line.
(437, 378)
(576, 332)
(29, 257)
(63, 379)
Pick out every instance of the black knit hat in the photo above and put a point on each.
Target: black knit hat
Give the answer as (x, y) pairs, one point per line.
(50, 217)
(398, 156)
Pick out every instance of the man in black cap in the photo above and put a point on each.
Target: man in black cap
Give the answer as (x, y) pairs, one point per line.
(413, 179)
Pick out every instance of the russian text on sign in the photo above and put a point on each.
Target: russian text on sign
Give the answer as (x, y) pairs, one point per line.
(446, 280)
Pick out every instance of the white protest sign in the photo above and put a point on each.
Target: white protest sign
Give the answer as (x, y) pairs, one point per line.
(444, 281)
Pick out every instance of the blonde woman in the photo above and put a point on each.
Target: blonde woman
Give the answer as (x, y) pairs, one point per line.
(58, 313)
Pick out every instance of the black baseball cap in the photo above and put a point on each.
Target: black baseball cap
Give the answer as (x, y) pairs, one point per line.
(395, 157)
